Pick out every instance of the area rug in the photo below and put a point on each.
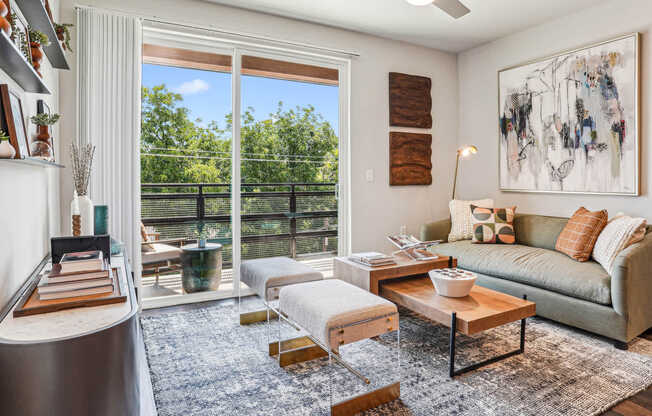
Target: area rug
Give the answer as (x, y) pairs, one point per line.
(203, 363)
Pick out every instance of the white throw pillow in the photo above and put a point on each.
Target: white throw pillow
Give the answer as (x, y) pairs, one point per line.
(619, 233)
(461, 225)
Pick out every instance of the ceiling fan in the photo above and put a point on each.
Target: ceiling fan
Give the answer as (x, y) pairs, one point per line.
(454, 8)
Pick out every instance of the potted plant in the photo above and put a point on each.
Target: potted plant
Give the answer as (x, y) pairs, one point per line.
(37, 40)
(5, 24)
(41, 147)
(7, 151)
(63, 34)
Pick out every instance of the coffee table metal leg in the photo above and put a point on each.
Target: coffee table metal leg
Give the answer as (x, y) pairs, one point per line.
(451, 365)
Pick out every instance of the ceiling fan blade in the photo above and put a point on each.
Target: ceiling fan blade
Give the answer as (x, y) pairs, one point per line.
(453, 7)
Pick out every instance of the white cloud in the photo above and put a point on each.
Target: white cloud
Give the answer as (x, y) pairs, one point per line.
(192, 87)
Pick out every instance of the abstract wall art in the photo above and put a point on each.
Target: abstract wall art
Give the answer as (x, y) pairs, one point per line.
(570, 122)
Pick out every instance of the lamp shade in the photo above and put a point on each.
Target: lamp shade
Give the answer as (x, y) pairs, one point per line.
(467, 150)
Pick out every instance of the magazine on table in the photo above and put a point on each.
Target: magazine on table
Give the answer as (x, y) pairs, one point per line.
(413, 247)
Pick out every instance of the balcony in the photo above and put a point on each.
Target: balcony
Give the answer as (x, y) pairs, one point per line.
(297, 220)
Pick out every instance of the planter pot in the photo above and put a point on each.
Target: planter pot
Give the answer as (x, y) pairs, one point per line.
(5, 26)
(43, 133)
(37, 56)
(7, 151)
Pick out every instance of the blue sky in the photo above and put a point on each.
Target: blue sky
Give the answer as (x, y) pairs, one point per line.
(208, 94)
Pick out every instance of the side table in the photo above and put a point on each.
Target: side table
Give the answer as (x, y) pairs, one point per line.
(201, 267)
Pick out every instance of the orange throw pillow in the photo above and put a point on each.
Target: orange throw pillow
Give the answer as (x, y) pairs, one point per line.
(580, 234)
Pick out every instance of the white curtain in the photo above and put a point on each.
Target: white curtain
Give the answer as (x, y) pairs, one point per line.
(109, 49)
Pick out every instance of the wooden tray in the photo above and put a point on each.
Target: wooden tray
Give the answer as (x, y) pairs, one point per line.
(30, 304)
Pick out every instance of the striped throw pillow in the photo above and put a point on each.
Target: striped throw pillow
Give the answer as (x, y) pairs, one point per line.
(580, 233)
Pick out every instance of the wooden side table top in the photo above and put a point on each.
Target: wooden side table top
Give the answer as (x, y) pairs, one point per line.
(369, 278)
(482, 309)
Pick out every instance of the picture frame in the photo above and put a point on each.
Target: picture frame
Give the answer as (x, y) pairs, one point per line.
(12, 115)
(569, 123)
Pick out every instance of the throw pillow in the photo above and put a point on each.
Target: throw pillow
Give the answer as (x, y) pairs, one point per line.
(145, 248)
(461, 226)
(620, 232)
(580, 233)
(493, 225)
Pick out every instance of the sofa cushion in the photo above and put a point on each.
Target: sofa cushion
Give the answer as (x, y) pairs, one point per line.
(538, 230)
(546, 269)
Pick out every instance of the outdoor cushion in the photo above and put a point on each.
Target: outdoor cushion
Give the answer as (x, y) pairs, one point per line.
(319, 306)
(266, 276)
(546, 269)
(161, 252)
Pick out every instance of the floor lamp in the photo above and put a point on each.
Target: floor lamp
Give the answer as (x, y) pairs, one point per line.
(464, 151)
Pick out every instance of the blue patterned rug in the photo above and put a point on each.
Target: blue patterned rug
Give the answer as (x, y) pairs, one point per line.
(203, 363)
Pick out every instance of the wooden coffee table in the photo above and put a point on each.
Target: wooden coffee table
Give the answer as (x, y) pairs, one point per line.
(482, 309)
(369, 278)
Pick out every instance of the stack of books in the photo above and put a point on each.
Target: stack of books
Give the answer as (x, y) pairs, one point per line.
(372, 259)
(77, 274)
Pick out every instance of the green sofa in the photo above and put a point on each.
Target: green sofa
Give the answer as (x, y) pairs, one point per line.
(582, 295)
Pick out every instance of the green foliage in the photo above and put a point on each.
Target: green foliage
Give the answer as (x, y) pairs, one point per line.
(290, 146)
(44, 119)
(38, 37)
(65, 29)
(3, 136)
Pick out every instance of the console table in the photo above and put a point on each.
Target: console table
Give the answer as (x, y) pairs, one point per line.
(74, 362)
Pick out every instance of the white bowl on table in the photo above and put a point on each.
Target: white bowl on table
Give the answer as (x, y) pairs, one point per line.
(452, 283)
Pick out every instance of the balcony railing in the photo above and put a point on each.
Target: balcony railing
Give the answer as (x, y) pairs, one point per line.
(278, 219)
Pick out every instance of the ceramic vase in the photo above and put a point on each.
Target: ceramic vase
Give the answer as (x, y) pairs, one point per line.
(7, 151)
(86, 213)
(37, 56)
(5, 26)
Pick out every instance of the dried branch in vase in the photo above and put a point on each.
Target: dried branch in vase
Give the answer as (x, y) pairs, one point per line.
(82, 161)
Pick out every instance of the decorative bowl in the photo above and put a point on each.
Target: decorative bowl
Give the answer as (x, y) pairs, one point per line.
(452, 283)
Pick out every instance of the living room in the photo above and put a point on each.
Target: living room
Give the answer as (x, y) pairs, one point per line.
(452, 126)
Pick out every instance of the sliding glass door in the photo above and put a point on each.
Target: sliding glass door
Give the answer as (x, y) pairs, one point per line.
(241, 154)
(289, 160)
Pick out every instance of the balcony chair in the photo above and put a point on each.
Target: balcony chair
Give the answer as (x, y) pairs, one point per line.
(159, 256)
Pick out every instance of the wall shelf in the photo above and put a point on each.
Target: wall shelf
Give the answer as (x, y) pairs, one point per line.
(15, 65)
(33, 162)
(38, 19)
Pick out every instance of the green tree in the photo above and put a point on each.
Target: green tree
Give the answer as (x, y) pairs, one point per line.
(290, 146)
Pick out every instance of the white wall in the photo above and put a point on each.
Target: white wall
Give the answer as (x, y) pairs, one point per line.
(377, 208)
(478, 102)
(29, 197)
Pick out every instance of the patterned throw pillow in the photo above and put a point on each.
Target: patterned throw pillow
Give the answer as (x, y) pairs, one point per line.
(580, 233)
(620, 232)
(493, 225)
(461, 227)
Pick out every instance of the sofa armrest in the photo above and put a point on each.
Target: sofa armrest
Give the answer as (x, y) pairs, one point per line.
(437, 230)
(631, 286)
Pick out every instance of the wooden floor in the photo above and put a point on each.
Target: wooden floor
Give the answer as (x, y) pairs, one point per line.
(638, 405)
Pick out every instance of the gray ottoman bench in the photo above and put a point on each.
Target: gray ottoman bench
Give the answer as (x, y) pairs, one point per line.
(335, 313)
(267, 276)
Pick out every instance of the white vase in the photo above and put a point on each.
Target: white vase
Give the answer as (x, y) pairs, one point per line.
(86, 213)
(7, 151)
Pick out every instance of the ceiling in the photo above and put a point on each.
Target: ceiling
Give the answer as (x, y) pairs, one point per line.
(427, 25)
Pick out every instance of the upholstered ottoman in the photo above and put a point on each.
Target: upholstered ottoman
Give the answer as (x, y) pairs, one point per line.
(267, 276)
(335, 313)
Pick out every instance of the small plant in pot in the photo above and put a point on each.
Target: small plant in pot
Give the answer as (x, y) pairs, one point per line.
(36, 41)
(41, 147)
(63, 34)
(7, 151)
